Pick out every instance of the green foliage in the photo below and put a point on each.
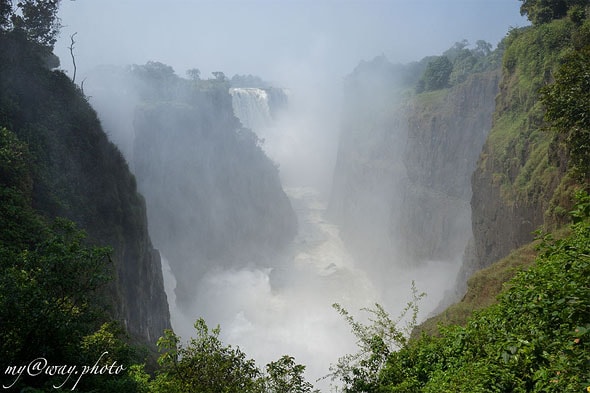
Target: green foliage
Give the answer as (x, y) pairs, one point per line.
(524, 161)
(204, 365)
(483, 288)
(194, 74)
(581, 210)
(155, 79)
(457, 63)
(50, 306)
(535, 339)
(14, 162)
(529, 60)
(56, 285)
(377, 341)
(36, 19)
(285, 376)
(39, 21)
(437, 73)
(545, 11)
(567, 103)
(248, 81)
(5, 12)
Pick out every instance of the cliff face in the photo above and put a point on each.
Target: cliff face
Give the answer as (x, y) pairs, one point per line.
(402, 183)
(521, 181)
(445, 136)
(214, 198)
(80, 175)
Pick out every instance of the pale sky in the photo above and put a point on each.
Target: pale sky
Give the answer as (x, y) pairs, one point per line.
(273, 39)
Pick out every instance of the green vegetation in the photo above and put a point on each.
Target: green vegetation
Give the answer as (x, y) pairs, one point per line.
(536, 169)
(544, 11)
(58, 293)
(483, 288)
(52, 300)
(533, 337)
(437, 74)
(377, 341)
(456, 64)
(61, 287)
(536, 338)
(207, 365)
(567, 101)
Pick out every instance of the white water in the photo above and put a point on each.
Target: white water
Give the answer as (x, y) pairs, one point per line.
(251, 106)
(286, 307)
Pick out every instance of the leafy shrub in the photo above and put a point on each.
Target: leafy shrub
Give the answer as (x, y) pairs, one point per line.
(535, 339)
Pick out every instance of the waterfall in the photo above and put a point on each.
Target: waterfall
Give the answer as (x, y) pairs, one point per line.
(251, 106)
(256, 107)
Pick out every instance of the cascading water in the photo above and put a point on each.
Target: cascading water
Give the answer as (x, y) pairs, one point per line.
(285, 307)
(208, 194)
(252, 106)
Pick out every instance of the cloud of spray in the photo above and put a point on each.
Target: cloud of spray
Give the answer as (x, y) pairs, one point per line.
(285, 307)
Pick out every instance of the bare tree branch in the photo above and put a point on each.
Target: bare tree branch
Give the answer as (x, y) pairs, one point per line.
(72, 54)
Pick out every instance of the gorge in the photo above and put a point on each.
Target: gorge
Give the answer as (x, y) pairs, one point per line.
(296, 219)
(398, 210)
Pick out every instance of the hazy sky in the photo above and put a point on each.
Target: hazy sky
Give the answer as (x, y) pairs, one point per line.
(274, 38)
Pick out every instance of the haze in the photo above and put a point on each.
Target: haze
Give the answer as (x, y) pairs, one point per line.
(274, 38)
(307, 47)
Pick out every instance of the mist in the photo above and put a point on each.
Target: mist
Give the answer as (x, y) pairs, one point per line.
(269, 300)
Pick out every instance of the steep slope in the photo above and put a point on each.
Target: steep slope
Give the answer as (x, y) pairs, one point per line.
(214, 198)
(522, 180)
(402, 182)
(78, 174)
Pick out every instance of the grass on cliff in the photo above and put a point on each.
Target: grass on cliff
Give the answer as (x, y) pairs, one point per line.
(483, 289)
(524, 159)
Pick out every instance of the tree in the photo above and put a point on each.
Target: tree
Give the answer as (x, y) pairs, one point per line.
(5, 14)
(155, 81)
(205, 365)
(39, 21)
(285, 376)
(482, 48)
(437, 73)
(458, 49)
(567, 104)
(49, 296)
(194, 74)
(219, 76)
(544, 11)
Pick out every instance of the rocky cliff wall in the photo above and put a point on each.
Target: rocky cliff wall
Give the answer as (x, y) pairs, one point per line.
(445, 136)
(214, 198)
(80, 175)
(402, 181)
(521, 182)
